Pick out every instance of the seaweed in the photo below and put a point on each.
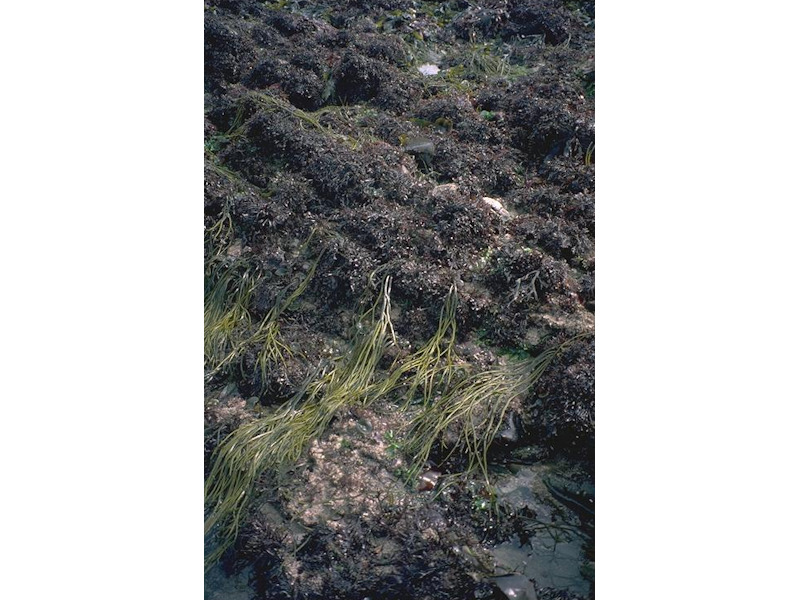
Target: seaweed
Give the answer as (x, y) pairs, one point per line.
(277, 441)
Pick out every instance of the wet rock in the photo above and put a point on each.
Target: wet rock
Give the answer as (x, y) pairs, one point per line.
(525, 489)
(484, 591)
(516, 587)
(551, 563)
(235, 249)
(419, 146)
(497, 206)
(427, 481)
(446, 190)
(220, 586)
(428, 69)
(229, 391)
(510, 433)
(576, 496)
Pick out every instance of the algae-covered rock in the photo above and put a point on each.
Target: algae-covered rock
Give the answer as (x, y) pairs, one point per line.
(445, 151)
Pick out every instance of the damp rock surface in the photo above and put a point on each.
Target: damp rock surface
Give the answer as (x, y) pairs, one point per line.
(516, 587)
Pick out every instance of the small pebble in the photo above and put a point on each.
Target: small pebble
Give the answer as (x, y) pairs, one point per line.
(427, 481)
(496, 206)
(428, 69)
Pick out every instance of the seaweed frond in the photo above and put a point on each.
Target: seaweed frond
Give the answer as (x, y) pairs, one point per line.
(272, 349)
(229, 285)
(432, 366)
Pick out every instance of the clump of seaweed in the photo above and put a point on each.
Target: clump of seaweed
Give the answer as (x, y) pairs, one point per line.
(485, 59)
(230, 283)
(272, 349)
(274, 103)
(277, 441)
(468, 416)
(464, 413)
(433, 365)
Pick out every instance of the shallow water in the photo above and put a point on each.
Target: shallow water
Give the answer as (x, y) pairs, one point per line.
(221, 586)
(554, 554)
(550, 563)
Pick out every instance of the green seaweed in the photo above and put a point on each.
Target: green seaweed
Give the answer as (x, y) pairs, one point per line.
(468, 416)
(273, 443)
(432, 366)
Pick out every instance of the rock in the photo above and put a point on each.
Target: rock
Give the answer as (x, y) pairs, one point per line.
(427, 481)
(578, 497)
(428, 69)
(483, 591)
(419, 146)
(497, 206)
(444, 190)
(422, 149)
(235, 249)
(221, 586)
(516, 587)
(510, 433)
(229, 391)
